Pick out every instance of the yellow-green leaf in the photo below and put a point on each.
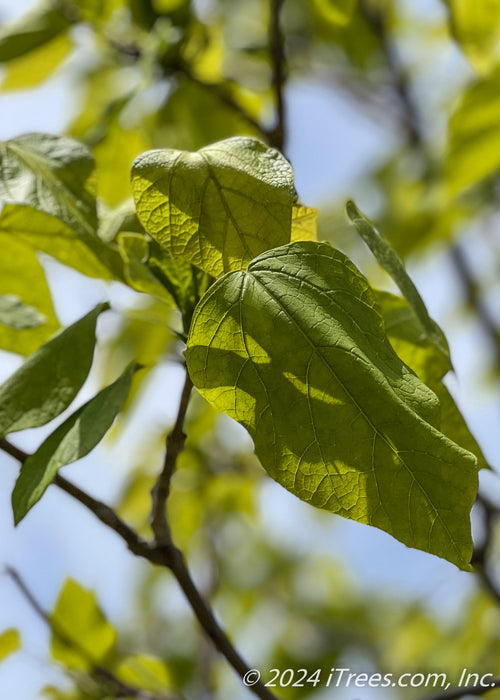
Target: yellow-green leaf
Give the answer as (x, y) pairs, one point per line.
(475, 24)
(336, 11)
(304, 223)
(10, 642)
(33, 68)
(216, 208)
(79, 617)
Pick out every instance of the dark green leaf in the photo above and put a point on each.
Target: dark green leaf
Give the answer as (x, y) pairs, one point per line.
(216, 208)
(390, 261)
(295, 350)
(46, 384)
(72, 440)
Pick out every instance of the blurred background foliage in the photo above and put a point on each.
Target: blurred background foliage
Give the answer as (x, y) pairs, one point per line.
(182, 74)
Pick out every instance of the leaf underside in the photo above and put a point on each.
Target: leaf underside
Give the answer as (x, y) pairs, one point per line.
(294, 348)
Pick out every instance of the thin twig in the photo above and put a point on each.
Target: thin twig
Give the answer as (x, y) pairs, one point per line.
(97, 672)
(482, 553)
(378, 22)
(277, 136)
(161, 490)
(473, 296)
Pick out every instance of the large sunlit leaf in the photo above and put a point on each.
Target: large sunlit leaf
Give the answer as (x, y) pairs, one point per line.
(32, 30)
(72, 440)
(390, 261)
(216, 208)
(53, 174)
(87, 637)
(474, 135)
(295, 350)
(49, 380)
(476, 27)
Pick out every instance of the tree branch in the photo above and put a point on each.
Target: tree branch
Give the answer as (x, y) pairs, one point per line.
(166, 555)
(97, 672)
(102, 511)
(277, 136)
(175, 443)
(481, 553)
(377, 21)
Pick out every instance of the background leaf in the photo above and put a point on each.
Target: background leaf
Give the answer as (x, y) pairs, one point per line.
(78, 616)
(10, 642)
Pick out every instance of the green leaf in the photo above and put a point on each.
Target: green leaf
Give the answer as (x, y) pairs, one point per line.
(15, 314)
(31, 69)
(46, 384)
(216, 208)
(411, 344)
(390, 261)
(145, 672)
(409, 339)
(22, 275)
(72, 440)
(474, 136)
(304, 223)
(134, 250)
(53, 174)
(49, 235)
(336, 11)
(78, 617)
(295, 350)
(10, 642)
(31, 30)
(476, 27)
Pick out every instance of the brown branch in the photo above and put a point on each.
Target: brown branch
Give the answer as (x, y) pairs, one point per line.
(482, 553)
(473, 296)
(277, 136)
(175, 444)
(166, 555)
(102, 511)
(99, 673)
